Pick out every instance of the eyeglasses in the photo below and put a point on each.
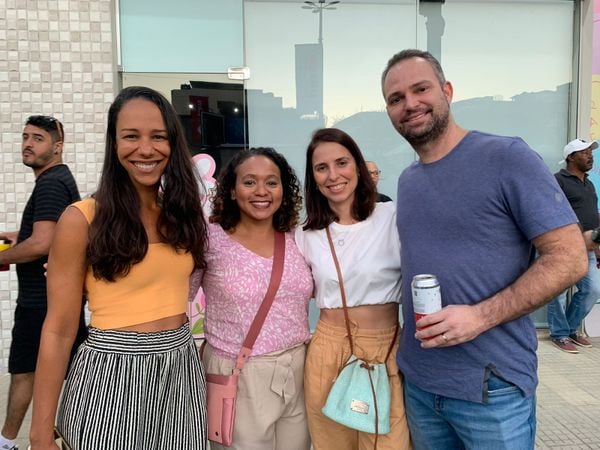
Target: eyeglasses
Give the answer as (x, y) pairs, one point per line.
(47, 122)
(375, 172)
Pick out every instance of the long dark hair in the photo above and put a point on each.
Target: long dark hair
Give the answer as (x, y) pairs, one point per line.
(226, 211)
(118, 239)
(318, 212)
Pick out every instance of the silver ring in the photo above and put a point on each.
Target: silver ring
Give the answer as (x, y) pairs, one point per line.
(445, 338)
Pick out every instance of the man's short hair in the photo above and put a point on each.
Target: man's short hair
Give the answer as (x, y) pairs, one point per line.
(49, 124)
(414, 53)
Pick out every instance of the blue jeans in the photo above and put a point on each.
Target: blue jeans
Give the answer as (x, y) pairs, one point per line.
(506, 421)
(566, 321)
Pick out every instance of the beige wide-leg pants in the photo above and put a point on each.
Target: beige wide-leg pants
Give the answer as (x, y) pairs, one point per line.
(270, 412)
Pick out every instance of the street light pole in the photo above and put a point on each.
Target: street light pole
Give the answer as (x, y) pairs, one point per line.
(320, 41)
(318, 7)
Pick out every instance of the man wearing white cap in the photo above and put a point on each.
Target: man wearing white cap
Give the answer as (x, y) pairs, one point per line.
(564, 322)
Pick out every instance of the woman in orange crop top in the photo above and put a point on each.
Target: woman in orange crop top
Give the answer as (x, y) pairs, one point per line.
(137, 381)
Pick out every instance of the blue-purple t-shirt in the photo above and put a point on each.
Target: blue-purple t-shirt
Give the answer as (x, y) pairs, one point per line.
(469, 218)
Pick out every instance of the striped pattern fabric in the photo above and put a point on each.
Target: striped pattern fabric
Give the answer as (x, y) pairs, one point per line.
(135, 391)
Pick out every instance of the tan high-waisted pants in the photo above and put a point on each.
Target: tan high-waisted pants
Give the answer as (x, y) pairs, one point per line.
(328, 350)
(270, 412)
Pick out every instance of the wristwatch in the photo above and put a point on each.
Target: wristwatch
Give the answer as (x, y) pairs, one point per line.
(596, 235)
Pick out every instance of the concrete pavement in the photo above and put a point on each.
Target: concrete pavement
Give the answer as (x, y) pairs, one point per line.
(568, 407)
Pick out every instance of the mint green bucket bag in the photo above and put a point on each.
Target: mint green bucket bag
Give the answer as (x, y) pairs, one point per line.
(360, 396)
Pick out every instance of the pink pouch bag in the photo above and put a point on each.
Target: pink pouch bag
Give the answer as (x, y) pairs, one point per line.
(221, 390)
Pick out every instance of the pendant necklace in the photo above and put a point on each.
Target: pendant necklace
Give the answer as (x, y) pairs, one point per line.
(340, 236)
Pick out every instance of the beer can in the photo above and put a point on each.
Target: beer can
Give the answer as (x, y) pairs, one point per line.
(426, 295)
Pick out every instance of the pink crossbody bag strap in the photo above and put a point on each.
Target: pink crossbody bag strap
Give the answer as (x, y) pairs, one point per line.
(261, 315)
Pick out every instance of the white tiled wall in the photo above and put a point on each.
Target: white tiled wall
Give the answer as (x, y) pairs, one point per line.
(56, 58)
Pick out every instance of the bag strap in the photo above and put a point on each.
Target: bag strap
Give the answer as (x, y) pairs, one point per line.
(261, 315)
(364, 364)
(342, 290)
(389, 353)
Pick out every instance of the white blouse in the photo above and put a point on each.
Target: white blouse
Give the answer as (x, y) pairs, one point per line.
(369, 257)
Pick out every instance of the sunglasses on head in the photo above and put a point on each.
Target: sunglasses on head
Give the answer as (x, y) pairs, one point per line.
(48, 121)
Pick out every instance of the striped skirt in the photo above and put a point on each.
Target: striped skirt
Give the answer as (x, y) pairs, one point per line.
(135, 391)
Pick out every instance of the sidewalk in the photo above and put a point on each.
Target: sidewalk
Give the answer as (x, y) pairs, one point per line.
(568, 406)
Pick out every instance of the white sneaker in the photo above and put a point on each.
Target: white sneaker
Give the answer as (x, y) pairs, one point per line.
(6, 447)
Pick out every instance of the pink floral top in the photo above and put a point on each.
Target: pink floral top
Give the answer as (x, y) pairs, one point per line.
(235, 282)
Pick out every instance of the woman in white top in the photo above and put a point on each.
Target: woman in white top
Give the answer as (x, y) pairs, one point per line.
(340, 194)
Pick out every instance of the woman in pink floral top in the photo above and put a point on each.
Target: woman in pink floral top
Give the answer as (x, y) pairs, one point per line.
(258, 193)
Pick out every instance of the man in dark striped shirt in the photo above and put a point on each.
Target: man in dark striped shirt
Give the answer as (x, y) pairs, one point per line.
(54, 190)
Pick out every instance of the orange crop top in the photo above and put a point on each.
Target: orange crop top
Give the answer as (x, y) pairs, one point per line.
(155, 288)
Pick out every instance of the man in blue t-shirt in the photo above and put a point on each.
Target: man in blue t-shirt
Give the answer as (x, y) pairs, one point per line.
(472, 211)
(55, 189)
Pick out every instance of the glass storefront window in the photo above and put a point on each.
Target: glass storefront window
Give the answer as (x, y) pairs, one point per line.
(198, 36)
(509, 77)
(305, 77)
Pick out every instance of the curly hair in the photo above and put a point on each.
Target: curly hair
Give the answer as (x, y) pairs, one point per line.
(226, 211)
(118, 239)
(318, 213)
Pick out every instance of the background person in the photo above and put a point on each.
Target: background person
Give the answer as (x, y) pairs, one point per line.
(565, 321)
(340, 195)
(470, 211)
(55, 189)
(136, 382)
(375, 174)
(257, 195)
